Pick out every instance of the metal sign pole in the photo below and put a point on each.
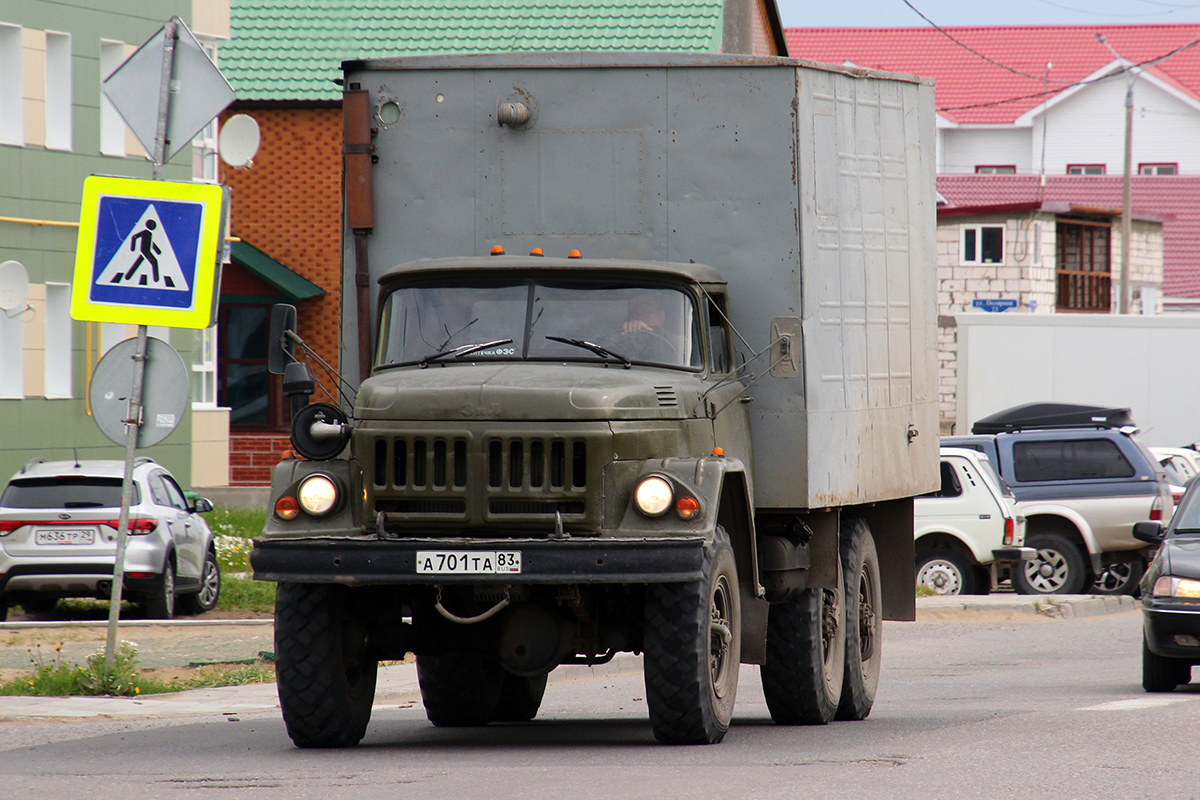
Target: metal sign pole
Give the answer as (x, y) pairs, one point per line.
(134, 421)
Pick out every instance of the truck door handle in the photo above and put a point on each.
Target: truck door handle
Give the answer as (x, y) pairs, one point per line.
(985, 516)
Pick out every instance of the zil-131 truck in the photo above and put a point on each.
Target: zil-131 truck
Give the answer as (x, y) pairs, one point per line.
(646, 348)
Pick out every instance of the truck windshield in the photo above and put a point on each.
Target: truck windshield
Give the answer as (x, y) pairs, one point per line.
(533, 320)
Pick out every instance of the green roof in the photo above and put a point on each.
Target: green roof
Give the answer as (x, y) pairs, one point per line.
(292, 285)
(293, 49)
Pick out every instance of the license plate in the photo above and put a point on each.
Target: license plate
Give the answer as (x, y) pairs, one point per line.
(66, 536)
(472, 562)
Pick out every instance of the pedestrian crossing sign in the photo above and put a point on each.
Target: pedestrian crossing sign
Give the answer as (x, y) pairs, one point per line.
(149, 252)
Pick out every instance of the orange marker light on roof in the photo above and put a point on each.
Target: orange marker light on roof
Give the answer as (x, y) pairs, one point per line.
(537, 251)
(719, 452)
(575, 254)
(497, 250)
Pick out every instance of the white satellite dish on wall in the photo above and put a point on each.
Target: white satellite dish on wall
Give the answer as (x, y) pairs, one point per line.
(238, 142)
(14, 285)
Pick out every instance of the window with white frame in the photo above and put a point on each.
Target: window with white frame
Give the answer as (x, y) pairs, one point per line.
(58, 91)
(204, 368)
(112, 127)
(12, 72)
(204, 146)
(981, 244)
(1085, 169)
(1158, 169)
(59, 364)
(12, 364)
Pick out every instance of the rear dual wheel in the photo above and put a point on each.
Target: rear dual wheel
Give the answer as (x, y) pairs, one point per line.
(824, 647)
(467, 690)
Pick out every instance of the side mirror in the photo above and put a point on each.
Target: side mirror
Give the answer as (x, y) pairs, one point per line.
(298, 385)
(281, 348)
(1149, 531)
(202, 505)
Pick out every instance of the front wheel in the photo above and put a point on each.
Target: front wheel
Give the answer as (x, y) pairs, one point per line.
(692, 645)
(210, 588)
(1056, 569)
(324, 673)
(864, 620)
(806, 656)
(1161, 674)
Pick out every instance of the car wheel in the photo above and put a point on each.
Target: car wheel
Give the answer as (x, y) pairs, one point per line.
(1120, 578)
(692, 646)
(325, 670)
(210, 588)
(1161, 674)
(460, 690)
(945, 572)
(520, 698)
(864, 620)
(1056, 569)
(806, 656)
(161, 605)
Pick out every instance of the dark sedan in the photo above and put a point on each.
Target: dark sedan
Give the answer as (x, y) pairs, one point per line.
(1171, 597)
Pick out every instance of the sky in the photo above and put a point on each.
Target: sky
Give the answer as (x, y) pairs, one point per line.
(945, 13)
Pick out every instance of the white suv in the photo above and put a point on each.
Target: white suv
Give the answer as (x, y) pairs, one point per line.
(969, 533)
(58, 538)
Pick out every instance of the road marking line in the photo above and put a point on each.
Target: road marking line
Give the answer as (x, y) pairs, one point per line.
(1137, 704)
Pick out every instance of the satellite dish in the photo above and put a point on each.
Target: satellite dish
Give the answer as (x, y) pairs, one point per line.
(14, 284)
(238, 142)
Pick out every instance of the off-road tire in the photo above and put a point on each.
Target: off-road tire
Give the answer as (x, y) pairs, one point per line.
(161, 604)
(806, 656)
(324, 673)
(1068, 572)
(864, 619)
(210, 588)
(460, 690)
(692, 645)
(520, 698)
(945, 571)
(1162, 674)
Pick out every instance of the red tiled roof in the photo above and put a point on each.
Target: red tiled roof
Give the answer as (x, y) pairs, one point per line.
(1173, 199)
(971, 90)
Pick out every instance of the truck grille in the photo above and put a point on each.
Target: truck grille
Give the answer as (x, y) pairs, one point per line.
(477, 478)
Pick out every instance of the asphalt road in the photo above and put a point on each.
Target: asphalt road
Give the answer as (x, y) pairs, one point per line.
(1027, 706)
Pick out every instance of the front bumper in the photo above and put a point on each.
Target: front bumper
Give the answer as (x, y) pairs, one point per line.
(360, 561)
(1162, 624)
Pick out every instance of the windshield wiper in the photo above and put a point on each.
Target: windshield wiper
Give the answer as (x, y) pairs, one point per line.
(460, 351)
(595, 348)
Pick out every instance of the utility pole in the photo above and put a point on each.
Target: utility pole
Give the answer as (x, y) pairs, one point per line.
(1123, 298)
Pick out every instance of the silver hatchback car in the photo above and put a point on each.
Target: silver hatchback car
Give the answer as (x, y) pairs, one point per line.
(58, 538)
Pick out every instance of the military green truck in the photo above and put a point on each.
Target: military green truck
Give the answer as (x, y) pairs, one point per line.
(646, 346)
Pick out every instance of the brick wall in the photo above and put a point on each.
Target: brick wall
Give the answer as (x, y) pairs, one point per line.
(288, 203)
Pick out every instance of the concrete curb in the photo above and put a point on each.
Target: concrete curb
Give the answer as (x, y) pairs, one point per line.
(1061, 606)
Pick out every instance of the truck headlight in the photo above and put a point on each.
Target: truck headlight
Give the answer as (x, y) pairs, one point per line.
(318, 495)
(653, 496)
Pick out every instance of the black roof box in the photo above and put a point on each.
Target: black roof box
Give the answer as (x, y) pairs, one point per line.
(1053, 415)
